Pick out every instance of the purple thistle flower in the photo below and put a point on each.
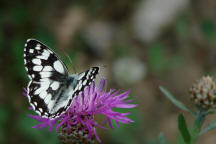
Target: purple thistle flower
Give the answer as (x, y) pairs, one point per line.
(92, 101)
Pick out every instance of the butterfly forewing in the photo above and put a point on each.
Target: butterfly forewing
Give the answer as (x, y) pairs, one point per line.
(47, 73)
(40, 61)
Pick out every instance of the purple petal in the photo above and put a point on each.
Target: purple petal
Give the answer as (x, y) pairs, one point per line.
(92, 101)
(123, 105)
(110, 123)
(101, 84)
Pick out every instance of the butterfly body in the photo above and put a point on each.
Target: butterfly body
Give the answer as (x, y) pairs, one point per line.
(51, 89)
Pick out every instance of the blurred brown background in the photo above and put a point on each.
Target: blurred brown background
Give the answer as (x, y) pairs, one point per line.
(142, 43)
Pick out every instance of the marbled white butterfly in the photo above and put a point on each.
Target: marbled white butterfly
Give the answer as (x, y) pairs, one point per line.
(51, 89)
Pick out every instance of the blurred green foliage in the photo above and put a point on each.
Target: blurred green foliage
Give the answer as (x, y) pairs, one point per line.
(182, 25)
(158, 61)
(39, 136)
(125, 132)
(208, 29)
(4, 117)
(20, 20)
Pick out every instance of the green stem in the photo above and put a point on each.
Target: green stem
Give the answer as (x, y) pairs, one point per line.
(198, 122)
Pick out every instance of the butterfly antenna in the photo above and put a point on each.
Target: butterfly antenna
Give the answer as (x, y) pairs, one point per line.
(74, 68)
(102, 68)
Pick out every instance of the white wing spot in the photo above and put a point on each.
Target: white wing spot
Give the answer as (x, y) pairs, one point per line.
(40, 109)
(25, 46)
(42, 57)
(36, 61)
(43, 94)
(45, 85)
(90, 70)
(26, 69)
(24, 61)
(45, 80)
(38, 91)
(46, 113)
(84, 82)
(51, 104)
(55, 85)
(47, 68)
(81, 75)
(76, 88)
(37, 68)
(38, 47)
(31, 50)
(80, 86)
(47, 99)
(45, 74)
(58, 66)
(35, 103)
(46, 53)
(33, 75)
(33, 106)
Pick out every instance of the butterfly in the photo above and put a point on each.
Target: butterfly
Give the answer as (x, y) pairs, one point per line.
(51, 88)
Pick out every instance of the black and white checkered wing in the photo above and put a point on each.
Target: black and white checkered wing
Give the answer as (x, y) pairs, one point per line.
(85, 79)
(47, 75)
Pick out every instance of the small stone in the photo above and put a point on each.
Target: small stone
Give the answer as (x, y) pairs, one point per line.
(151, 16)
(128, 71)
(99, 35)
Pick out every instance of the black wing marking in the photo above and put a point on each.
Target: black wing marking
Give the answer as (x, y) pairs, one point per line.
(47, 76)
(39, 58)
(71, 89)
(51, 90)
(85, 79)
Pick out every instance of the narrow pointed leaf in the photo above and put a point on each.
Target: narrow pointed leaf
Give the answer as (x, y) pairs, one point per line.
(182, 126)
(209, 127)
(174, 100)
(211, 112)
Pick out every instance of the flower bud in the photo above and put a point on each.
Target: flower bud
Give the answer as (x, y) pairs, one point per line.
(203, 93)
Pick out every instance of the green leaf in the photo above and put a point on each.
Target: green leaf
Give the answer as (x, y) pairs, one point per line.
(182, 126)
(211, 112)
(174, 100)
(198, 122)
(209, 127)
(162, 139)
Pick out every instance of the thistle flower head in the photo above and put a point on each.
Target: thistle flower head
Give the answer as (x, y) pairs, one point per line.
(203, 93)
(79, 120)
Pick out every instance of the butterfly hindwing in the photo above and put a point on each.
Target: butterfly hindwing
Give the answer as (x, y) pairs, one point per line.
(85, 79)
